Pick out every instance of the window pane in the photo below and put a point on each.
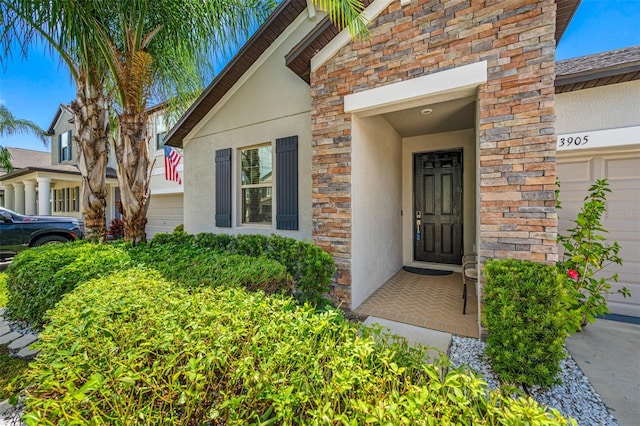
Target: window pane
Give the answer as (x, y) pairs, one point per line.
(256, 165)
(160, 140)
(256, 205)
(161, 124)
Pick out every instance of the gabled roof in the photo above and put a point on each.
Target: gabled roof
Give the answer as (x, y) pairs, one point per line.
(600, 69)
(62, 108)
(298, 60)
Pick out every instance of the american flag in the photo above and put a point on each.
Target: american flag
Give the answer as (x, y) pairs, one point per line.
(171, 161)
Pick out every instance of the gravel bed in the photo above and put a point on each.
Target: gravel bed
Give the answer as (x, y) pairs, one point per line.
(575, 397)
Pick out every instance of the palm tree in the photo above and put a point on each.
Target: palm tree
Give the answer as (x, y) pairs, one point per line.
(150, 47)
(9, 125)
(55, 24)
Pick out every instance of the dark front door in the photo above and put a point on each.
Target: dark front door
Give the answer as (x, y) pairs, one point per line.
(437, 215)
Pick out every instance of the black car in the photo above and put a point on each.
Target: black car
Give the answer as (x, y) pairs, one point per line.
(18, 232)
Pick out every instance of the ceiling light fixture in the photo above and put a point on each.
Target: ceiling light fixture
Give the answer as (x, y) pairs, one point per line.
(426, 111)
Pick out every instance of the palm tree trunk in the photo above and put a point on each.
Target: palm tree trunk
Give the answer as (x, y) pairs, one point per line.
(92, 127)
(134, 173)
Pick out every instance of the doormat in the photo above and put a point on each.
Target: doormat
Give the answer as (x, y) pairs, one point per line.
(423, 271)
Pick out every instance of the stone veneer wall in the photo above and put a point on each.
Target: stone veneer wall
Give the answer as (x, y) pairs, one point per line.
(516, 129)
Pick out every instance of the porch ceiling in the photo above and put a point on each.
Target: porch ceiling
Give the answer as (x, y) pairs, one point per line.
(456, 114)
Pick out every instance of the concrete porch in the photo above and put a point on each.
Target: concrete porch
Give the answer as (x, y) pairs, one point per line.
(433, 302)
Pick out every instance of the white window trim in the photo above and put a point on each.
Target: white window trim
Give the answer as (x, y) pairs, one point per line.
(240, 187)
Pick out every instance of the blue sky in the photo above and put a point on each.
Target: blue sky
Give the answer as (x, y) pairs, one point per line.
(34, 88)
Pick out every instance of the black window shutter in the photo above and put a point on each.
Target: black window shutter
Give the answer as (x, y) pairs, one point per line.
(70, 144)
(287, 183)
(223, 188)
(60, 148)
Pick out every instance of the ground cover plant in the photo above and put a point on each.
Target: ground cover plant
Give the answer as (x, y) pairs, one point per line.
(3, 290)
(10, 367)
(134, 348)
(525, 311)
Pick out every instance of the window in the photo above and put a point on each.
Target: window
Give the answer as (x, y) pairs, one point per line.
(257, 181)
(66, 199)
(161, 131)
(64, 146)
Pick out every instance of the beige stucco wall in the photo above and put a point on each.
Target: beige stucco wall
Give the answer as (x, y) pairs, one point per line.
(271, 103)
(465, 139)
(376, 203)
(605, 107)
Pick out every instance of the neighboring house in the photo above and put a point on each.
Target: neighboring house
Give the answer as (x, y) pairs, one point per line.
(45, 183)
(598, 127)
(432, 138)
(165, 206)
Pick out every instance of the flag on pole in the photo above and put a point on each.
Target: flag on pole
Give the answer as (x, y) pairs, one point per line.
(171, 161)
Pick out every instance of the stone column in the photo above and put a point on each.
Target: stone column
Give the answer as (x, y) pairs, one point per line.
(18, 192)
(44, 196)
(30, 197)
(8, 196)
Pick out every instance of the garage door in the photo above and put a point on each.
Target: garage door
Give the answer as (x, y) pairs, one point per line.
(164, 214)
(577, 171)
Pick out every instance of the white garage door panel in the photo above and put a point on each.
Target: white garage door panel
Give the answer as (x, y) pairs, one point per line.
(164, 214)
(577, 172)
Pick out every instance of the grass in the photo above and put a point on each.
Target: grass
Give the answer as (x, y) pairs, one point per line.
(10, 367)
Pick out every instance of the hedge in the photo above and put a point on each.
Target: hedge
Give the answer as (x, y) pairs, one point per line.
(133, 348)
(311, 267)
(39, 277)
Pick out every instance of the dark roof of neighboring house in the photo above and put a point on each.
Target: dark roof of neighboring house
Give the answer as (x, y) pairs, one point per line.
(298, 60)
(27, 161)
(62, 108)
(600, 69)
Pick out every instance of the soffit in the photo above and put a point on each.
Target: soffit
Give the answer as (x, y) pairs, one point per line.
(449, 116)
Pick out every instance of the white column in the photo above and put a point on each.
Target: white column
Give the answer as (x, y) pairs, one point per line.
(8, 196)
(18, 199)
(44, 196)
(30, 197)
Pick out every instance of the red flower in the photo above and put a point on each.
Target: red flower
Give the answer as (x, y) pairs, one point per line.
(573, 274)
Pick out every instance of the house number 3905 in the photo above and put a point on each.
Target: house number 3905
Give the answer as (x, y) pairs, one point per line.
(577, 141)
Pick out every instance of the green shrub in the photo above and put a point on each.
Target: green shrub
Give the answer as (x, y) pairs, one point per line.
(195, 267)
(39, 277)
(133, 348)
(525, 313)
(311, 267)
